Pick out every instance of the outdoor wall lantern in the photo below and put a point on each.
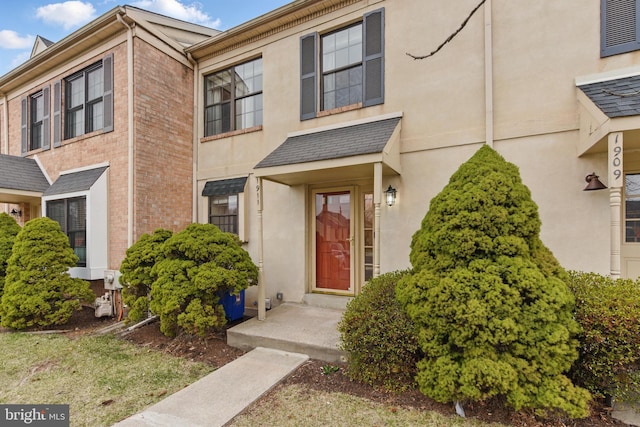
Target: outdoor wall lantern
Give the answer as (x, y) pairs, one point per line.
(16, 213)
(593, 183)
(390, 195)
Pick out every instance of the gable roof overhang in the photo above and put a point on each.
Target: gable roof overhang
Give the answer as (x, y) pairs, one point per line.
(171, 32)
(21, 180)
(332, 154)
(75, 181)
(609, 103)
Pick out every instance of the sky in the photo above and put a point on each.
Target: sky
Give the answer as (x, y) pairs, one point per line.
(21, 21)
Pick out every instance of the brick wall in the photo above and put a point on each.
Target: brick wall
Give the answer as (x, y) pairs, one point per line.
(164, 141)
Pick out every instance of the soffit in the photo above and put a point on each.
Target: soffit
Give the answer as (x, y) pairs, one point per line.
(270, 23)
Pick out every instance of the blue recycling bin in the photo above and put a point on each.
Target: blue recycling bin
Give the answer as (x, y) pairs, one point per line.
(233, 305)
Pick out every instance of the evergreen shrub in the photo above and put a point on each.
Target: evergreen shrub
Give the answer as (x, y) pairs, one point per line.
(198, 265)
(38, 289)
(493, 311)
(136, 278)
(379, 337)
(609, 312)
(9, 229)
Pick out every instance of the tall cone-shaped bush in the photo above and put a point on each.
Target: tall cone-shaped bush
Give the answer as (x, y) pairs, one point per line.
(9, 229)
(493, 311)
(38, 289)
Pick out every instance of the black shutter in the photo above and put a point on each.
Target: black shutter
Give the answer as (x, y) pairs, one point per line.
(619, 26)
(308, 85)
(373, 62)
(46, 122)
(24, 125)
(107, 97)
(57, 116)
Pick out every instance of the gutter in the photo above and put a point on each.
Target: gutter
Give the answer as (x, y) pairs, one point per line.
(130, 130)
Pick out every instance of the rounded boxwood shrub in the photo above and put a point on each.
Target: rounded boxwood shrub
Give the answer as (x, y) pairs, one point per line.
(136, 278)
(38, 289)
(198, 265)
(609, 312)
(493, 312)
(379, 337)
(9, 229)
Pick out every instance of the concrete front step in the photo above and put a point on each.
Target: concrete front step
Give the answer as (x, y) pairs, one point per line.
(297, 328)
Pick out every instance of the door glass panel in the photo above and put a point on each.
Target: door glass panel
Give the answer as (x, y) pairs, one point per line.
(368, 236)
(333, 240)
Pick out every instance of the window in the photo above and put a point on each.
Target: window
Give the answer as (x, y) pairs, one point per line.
(233, 98)
(620, 26)
(37, 116)
(88, 99)
(35, 123)
(71, 214)
(351, 67)
(226, 204)
(223, 212)
(342, 67)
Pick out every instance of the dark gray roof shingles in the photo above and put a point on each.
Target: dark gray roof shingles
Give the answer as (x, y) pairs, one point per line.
(20, 173)
(224, 187)
(616, 98)
(366, 138)
(75, 181)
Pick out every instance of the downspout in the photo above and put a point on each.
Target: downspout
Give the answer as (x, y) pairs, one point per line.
(130, 134)
(488, 72)
(5, 125)
(195, 123)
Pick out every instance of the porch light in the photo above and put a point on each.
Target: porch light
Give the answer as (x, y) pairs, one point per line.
(390, 195)
(16, 213)
(593, 183)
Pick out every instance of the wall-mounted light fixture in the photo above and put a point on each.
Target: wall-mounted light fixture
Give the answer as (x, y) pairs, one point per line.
(16, 213)
(390, 195)
(593, 183)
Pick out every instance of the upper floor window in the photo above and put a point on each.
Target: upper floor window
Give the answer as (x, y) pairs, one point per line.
(350, 63)
(620, 26)
(84, 107)
(233, 98)
(35, 132)
(37, 120)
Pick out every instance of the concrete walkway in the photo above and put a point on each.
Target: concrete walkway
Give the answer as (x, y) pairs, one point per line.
(217, 398)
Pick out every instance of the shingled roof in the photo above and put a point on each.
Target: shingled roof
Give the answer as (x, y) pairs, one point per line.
(20, 173)
(75, 181)
(366, 138)
(616, 98)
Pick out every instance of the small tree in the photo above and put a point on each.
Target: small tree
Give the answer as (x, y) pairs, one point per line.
(9, 229)
(38, 288)
(198, 266)
(136, 269)
(489, 299)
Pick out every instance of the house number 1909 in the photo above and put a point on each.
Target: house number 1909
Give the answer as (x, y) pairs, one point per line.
(615, 157)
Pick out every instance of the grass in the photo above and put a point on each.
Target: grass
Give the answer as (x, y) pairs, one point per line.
(103, 378)
(295, 406)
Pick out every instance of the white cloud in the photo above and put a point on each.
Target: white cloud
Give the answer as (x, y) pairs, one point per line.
(186, 12)
(19, 59)
(68, 14)
(11, 40)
